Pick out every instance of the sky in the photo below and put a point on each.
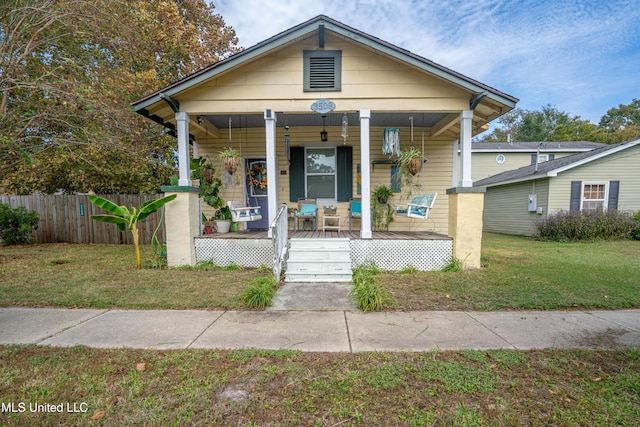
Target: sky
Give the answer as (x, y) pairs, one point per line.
(581, 57)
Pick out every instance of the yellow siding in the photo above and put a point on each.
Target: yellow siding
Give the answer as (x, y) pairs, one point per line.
(621, 166)
(437, 171)
(369, 81)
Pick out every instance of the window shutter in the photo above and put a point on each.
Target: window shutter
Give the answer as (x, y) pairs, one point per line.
(296, 174)
(534, 158)
(552, 156)
(345, 173)
(614, 189)
(576, 189)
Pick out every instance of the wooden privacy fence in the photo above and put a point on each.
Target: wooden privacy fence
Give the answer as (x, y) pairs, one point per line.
(67, 218)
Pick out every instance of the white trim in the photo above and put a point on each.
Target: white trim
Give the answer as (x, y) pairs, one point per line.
(184, 163)
(365, 170)
(272, 166)
(604, 200)
(466, 116)
(597, 156)
(335, 172)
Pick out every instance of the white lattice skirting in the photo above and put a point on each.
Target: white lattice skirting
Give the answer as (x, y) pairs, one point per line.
(244, 252)
(424, 255)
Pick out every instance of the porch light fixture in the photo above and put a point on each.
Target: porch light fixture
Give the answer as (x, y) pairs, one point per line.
(324, 135)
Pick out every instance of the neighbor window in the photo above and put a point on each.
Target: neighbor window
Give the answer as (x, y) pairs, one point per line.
(594, 196)
(322, 70)
(320, 173)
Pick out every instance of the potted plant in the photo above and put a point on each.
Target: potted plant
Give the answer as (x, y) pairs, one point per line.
(382, 193)
(230, 159)
(201, 170)
(411, 160)
(222, 218)
(207, 226)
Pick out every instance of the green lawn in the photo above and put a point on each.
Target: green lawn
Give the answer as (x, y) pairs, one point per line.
(518, 273)
(287, 388)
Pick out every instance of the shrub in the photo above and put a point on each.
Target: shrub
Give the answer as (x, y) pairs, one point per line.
(16, 224)
(453, 265)
(635, 231)
(588, 225)
(367, 292)
(260, 292)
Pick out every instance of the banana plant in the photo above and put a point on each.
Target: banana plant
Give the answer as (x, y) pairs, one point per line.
(124, 218)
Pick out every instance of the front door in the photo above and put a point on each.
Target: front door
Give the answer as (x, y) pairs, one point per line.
(256, 190)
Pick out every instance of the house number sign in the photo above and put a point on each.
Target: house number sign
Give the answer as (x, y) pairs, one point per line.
(323, 106)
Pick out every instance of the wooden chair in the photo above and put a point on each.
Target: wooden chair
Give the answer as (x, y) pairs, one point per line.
(307, 210)
(355, 210)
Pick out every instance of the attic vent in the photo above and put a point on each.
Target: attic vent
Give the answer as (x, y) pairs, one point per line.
(322, 70)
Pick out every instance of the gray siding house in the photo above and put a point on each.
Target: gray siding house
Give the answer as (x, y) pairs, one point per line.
(604, 178)
(491, 158)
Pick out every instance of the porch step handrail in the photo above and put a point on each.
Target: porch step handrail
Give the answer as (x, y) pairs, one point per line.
(280, 239)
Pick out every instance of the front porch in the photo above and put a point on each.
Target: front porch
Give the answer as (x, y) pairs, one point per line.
(394, 250)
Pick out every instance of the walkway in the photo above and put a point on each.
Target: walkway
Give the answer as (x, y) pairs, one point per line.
(320, 331)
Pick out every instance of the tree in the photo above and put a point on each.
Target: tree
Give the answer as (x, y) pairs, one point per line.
(125, 218)
(68, 73)
(622, 123)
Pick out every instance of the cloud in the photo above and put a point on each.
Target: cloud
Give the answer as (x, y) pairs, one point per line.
(574, 55)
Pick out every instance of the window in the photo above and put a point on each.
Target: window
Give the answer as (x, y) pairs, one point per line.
(310, 173)
(543, 158)
(320, 171)
(322, 70)
(594, 196)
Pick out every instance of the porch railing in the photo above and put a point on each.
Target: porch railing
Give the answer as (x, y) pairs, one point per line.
(280, 239)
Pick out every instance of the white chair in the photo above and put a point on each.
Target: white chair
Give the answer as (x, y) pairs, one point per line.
(419, 207)
(243, 213)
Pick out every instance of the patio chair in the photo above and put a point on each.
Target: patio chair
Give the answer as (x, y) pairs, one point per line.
(355, 210)
(307, 210)
(419, 207)
(243, 213)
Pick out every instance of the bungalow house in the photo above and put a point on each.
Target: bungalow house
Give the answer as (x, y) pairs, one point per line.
(311, 106)
(604, 178)
(492, 158)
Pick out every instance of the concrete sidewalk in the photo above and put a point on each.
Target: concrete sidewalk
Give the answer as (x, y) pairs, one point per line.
(320, 331)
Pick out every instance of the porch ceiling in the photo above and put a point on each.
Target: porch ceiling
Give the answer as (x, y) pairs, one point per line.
(395, 119)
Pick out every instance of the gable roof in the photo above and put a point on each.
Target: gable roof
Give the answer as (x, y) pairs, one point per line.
(533, 146)
(553, 167)
(314, 25)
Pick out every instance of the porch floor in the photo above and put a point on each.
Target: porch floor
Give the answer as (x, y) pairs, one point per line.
(353, 235)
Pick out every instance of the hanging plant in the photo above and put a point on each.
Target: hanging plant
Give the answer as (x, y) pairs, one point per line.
(411, 160)
(230, 159)
(258, 177)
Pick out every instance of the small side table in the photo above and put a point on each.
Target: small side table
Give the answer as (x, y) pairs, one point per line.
(333, 222)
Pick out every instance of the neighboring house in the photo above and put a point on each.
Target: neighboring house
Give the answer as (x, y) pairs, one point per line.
(311, 106)
(491, 158)
(603, 178)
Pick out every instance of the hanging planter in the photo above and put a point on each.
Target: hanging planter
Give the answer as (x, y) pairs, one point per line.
(411, 160)
(207, 175)
(230, 159)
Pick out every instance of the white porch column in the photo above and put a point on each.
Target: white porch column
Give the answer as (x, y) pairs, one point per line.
(272, 165)
(184, 177)
(465, 141)
(365, 164)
